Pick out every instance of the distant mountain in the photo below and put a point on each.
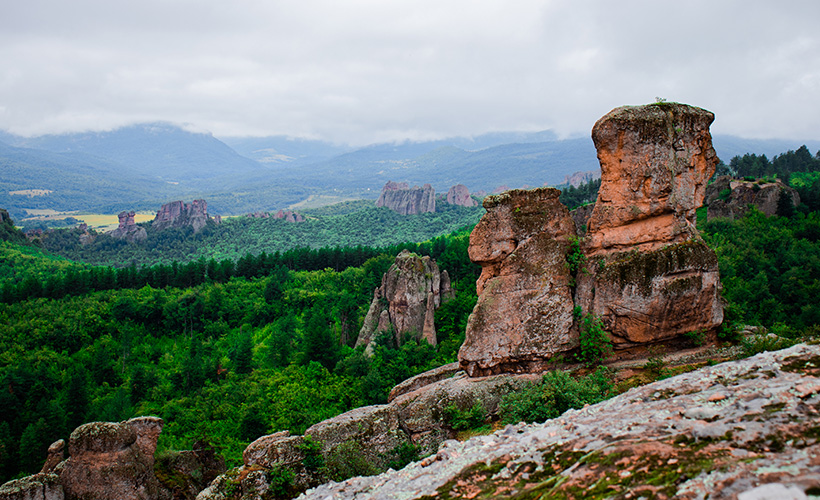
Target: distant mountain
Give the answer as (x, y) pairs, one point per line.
(729, 146)
(283, 150)
(159, 150)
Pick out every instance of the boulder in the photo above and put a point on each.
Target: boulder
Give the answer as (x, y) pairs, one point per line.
(404, 200)
(524, 313)
(731, 198)
(56, 454)
(411, 290)
(460, 195)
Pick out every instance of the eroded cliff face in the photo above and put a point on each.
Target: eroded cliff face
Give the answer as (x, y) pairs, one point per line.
(401, 198)
(524, 311)
(405, 303)
(459, 195)
(730, 198)
(641, 267)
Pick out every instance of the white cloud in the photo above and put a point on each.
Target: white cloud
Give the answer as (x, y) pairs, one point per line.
(368, 70)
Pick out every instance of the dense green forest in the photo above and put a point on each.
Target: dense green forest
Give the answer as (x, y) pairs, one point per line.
(226, 348)
(236, 237)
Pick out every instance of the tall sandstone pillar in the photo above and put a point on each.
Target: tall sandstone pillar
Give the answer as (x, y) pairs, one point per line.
(645, 270)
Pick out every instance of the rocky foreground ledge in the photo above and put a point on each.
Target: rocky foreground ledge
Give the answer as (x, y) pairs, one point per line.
(745, 429)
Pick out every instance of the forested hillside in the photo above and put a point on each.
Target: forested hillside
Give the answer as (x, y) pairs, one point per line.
(366, 225)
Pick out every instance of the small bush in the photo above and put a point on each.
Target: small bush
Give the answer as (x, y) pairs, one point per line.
(554, 394)
(762, 343)
(280, 480)
(348, 460)
(464, 420)
(596, 345)
(697, 337)
(656, 366)
(725, 194)
(402, 455)
(313, 461)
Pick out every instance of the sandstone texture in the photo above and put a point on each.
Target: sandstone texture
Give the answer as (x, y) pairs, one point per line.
(734, 430)
(111, 461)
(128, 228)
(731, 198)
(524, 311)
(179, 214)
(460, 195)
(655, 163)
(401, 198)
(405, 303)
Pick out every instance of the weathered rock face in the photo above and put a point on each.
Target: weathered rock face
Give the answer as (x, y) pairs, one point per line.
(186, 473)
(179, 214)
(581, 217)
(403, 199)
(730, 198)
(524, 311)
(734, 430)
(36, 487)
(460, 195)
(649, 276)
(128, 228)
(655, 163)
(641, 266)
(113, 461)
(411, 290)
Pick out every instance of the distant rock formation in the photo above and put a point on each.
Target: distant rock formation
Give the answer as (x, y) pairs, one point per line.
(501, 189)
(642, 268)
(741, 429)
(524, 311)
(404, 200)
(128, 228)
(730, 198)
(179, 214)
(411, 291)
(577, 178)
(287, 215)
(459, 195)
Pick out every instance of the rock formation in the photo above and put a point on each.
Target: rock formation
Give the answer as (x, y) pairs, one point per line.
(581, 217)
(577, 178)
(403, 199)
(460, 195)
(405, 303)
(642, 267)
(730, 198)
(115, 461)
(734, 430)
(287, 215)
(128, 228)
(179, 214)
(375, 432)
(524, 311)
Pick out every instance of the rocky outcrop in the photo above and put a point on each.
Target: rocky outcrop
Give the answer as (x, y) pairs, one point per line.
(524, 311)
(113, 461)
(128, 228)
(648, 275)
(641, 267)
(287, 215)
(186, 473)
(178, 214)
(405, 303)
(734, 430)
(402, 199)
(580, 216)
(36, 487)
(731, 198)
(376, 432)
(459, 195)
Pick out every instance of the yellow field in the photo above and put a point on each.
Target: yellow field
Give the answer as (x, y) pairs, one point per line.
(104, 222)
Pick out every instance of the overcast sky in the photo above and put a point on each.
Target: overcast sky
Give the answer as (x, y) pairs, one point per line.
(362, 71)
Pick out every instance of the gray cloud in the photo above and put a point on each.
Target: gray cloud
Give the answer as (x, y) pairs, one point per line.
(371, 70)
